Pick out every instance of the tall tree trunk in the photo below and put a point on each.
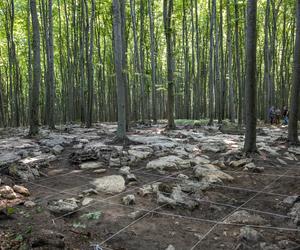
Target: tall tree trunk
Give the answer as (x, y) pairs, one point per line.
(237, 61)
(167, 13)
(295, 100)
(142, 63)
(230, 74)
(185, 43)
(51, 77)
(34, 105)
(211, 68)
(118, 53)
(90, 69)
(137, 68)
(153, 63)
(250, 88)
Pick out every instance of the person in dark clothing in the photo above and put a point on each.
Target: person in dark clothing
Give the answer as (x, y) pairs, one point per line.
(277, 116)
(285, 115)
(272, 115)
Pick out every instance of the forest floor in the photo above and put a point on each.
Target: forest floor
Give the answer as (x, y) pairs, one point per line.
(191, 188)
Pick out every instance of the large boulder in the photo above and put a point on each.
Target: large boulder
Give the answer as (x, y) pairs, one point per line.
(170, 162)
(110, 184)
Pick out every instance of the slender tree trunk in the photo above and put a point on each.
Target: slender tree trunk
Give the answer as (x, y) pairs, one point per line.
(237, 60)
(153, 63)
(34, 105)
(230, 74)
(167, 13)
(295, 100)
(117, 27)
(90, 69)
(51, 77)
(250, 88)
(211, 68)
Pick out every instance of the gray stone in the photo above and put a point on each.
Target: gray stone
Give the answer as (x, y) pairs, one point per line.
(287, 244)
(149, 189)
(182, 199)
(281, 161)
(240, 163)
(128, 199)
(57, 149)
(87, 201)
(131, 178)
(100, 171)
(140, 153)
(295, 213)
(265, 246)
(137, 214)
(213, 148)
(90, 192)
(170, 247)
(21, 190)
(182, 177)
(124, 170)
(194, 186)
(110, 184)
(251, 167)
(6, 192)
(78, 146)
(164, 200)
(63, 206)
(170, 162)
(249, 235)
(290, 200)
(25, 173)
(243, 217)
(294, 150)
(53, 141)
(8, 158)
(198, 160)
(211, 174)
(91, 165)
(29, 204)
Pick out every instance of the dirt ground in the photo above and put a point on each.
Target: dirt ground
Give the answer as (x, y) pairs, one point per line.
(107, 223)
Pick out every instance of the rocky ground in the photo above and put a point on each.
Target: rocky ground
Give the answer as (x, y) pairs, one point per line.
(191, 188)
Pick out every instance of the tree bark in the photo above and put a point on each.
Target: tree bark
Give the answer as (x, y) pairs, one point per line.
(117, 27)
(34, 105)
(167, 13)
(293, 122)
(250, 88)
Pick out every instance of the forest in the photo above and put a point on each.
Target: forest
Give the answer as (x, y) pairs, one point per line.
(149, 124)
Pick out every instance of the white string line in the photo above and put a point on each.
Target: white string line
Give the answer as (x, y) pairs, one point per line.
(130, 224)
(198, 200)
(223, 204)
(231, 213)
(228, 187)
(113, 196)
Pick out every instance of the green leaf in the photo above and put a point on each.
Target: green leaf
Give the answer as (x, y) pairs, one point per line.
(19, 237)
(78, 225)
(10, 210)
(91, 216)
